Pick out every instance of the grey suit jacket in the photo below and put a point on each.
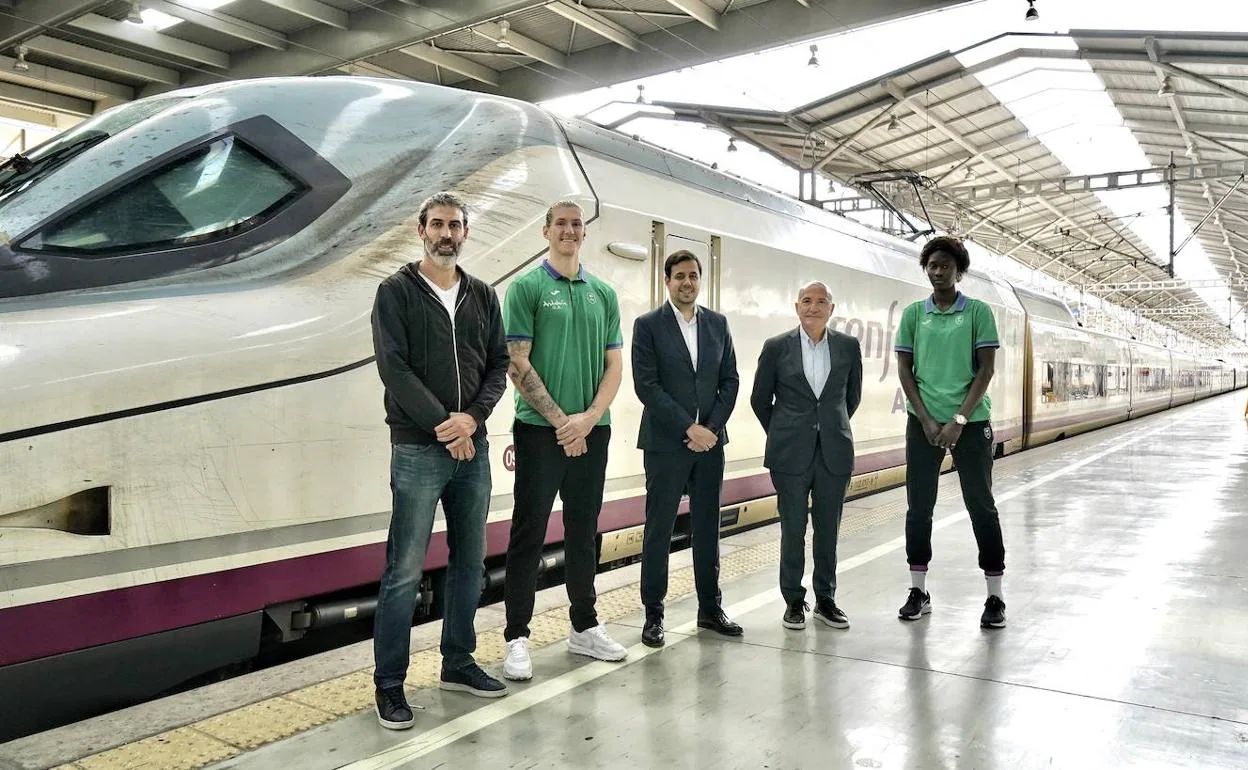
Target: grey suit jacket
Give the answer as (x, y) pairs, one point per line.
(665, 382)
(793, 415)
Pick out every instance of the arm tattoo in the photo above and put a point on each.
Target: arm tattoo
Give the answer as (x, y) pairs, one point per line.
(530, 385)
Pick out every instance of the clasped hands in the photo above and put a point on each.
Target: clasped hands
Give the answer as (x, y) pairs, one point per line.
(571, 435)
(700, 439)
(944, 436)
(456, 432)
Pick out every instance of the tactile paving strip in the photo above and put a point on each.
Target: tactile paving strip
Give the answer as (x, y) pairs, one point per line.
(247, 728)
(423, 669)
(183, 749)
(341, 697)
(252, 726)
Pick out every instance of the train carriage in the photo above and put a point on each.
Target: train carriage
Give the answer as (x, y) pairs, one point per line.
(1078, 377)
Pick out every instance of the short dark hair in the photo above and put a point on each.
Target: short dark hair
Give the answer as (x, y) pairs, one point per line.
(949, 245)
(675, 258)
(442, 199)
(563, 204)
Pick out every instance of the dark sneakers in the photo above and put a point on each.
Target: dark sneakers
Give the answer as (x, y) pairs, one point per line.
(471, 679)
(392, 710)
(831, 615)
(994, 613)
(917, 605)
(795, 616)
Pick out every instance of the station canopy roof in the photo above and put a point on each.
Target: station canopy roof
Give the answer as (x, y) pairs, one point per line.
(982, 142)
(74, 56)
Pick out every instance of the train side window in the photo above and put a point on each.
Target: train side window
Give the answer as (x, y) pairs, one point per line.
(220, 189)
(1061, 381)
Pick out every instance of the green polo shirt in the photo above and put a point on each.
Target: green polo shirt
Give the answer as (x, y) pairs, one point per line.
(572, 323)
(943, 344)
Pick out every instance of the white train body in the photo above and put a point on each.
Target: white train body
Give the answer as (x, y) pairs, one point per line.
(193, 431)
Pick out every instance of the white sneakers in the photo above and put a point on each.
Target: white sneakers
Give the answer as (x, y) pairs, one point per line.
(593, 643)
(518, 666)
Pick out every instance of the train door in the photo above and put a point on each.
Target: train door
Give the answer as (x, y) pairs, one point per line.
(705, 247)
(1029, 385)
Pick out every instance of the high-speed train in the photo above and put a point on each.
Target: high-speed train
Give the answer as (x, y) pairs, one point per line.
(193, 453)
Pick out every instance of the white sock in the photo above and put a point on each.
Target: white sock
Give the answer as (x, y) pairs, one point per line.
(918, 579)
(994, 585)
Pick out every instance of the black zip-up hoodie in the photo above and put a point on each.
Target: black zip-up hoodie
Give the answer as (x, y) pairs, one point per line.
(428, 370)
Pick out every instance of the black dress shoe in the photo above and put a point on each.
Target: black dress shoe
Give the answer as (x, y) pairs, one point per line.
(718, 622)
(652, 632)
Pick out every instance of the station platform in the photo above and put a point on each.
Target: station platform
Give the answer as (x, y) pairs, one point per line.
(1126, 646)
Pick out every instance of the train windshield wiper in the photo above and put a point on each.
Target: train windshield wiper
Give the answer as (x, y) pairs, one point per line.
(21, 170)
(19, 163)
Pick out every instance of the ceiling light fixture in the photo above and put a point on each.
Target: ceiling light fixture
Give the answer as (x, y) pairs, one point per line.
(1167, 88)
(893, 125)
(136, 12)
(814, 56)
(1032, 13)
(21, 65)
(504, 27)
(641, 94)
(732, 144)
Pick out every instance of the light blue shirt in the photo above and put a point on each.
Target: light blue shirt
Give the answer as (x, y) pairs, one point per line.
(816, 361)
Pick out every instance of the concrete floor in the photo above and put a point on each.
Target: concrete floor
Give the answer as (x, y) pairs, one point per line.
(1127, 644)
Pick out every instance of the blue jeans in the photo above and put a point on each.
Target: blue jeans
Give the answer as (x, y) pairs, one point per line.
(420, 476)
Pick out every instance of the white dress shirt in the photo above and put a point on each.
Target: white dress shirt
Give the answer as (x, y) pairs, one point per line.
(816, 361)
(688, 330)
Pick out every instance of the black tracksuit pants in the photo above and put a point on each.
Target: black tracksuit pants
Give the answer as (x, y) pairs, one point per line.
(542, 471)
(972, 456)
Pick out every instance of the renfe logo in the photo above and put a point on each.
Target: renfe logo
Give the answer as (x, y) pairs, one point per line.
(509, 458)
(877, 343)
(876, 338)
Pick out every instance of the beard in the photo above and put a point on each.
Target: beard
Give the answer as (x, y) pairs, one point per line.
(438, 252)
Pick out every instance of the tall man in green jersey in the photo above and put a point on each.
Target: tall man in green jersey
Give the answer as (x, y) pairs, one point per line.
(563, 334)
(946, 350)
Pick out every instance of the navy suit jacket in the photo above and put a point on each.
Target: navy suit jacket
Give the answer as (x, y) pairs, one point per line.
(671, 392)
(794, 416)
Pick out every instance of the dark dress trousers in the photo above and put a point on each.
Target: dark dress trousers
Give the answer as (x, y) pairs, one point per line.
(674, 395)
(810, 450)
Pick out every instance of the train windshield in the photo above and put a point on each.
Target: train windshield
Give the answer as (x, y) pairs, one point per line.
(23, 170)
(220, 188)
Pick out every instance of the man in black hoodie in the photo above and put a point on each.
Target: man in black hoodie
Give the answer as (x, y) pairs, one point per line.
(438, 338)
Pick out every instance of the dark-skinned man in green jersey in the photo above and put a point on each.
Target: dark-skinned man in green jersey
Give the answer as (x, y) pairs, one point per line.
(946, 351)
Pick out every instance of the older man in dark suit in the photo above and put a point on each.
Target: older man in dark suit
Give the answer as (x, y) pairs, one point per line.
(806, 389)
(685, 373)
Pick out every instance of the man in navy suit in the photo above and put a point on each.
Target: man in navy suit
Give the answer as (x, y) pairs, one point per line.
(807, 387)
(685, 374)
